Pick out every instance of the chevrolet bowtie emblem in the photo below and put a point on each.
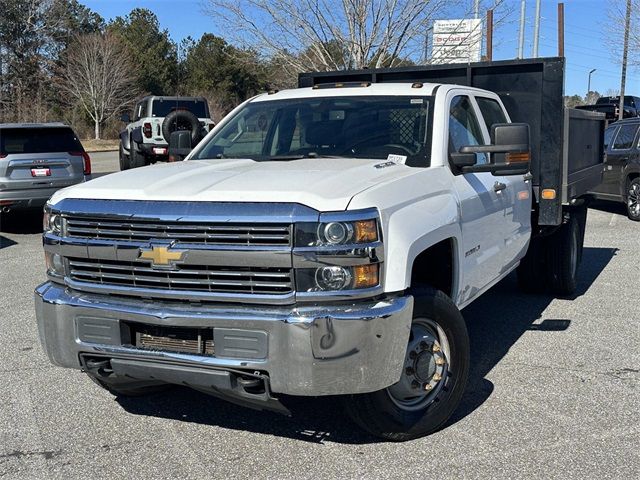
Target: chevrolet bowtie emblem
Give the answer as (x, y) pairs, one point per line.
(161, 257)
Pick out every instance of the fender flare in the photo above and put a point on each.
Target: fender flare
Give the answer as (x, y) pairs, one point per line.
(124, 141)
(136, 135)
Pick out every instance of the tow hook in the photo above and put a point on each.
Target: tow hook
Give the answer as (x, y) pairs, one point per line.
(101, 367)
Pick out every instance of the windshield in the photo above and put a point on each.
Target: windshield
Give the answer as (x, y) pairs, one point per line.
(38, 140)
(162, 108)
(355, 127)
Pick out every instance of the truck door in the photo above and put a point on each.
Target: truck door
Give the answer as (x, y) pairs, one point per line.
(481, 205)
(516, 192)
(618, 157)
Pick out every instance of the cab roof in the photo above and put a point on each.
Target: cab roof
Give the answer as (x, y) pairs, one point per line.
(357, 89)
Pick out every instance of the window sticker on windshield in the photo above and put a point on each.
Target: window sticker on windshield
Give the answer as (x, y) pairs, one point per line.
(399, 159)
(262, 122)
(417, 101)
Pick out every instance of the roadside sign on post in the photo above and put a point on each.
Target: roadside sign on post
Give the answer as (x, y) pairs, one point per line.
(457, 41)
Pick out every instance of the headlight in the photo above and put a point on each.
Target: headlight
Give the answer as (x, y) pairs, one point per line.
(52, 223)
(336, 278)
(337, 233)
(55, 264)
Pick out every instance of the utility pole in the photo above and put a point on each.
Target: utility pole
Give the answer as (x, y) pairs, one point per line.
(490, 35)
(561, 29)
(625, 51)
(536, 30)
(521, 40)
(476, 9)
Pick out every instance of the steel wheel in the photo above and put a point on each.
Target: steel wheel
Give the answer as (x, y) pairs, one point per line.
(426, 367)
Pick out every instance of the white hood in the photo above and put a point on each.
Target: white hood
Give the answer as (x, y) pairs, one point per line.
(325, 184)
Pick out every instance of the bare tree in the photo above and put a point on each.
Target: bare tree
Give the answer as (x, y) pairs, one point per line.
(613, 31)
(98, 75)
(330, 34)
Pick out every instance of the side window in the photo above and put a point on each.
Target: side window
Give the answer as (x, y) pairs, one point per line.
(137, 114)
(491, 111)
(625, 137)
(609, 133)
(464, 128)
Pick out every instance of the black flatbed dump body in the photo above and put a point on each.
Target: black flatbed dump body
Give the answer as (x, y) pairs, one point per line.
(567, 145)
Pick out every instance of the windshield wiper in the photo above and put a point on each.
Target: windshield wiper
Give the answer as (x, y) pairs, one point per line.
(299, 156)
(285, 157)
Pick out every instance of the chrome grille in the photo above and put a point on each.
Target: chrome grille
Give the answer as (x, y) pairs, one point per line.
(184, 232)
(195, 278)
(172, 339)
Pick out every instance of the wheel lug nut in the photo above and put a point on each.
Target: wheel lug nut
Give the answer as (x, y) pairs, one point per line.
(436, 347)
(427, 386)
(436, 377)
(409, 371)
(415, 384)
(439, 361)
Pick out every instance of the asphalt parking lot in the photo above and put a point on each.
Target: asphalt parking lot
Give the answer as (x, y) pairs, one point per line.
(553, 393)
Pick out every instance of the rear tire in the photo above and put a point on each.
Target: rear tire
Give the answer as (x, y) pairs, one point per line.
(437, 359)
(136, 159)
(633, 200)
(564, 258)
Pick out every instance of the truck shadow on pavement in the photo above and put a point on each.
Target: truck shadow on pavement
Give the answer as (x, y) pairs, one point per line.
(22, 222)
(495, 325)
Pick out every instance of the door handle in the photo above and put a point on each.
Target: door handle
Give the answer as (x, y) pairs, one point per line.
(499, 186)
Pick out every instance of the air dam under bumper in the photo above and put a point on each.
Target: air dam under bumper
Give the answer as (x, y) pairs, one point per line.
(311, 350)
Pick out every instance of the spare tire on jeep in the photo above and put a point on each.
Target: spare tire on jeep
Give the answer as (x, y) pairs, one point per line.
(181, 120)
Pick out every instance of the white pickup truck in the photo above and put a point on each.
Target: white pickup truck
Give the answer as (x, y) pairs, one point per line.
(323, 240)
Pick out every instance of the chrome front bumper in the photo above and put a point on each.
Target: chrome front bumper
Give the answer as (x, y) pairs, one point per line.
(308, 350)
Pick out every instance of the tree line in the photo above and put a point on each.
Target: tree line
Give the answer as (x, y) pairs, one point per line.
(60, 61)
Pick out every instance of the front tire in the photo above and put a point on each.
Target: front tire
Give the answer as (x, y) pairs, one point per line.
(124, 160)
(633, 200)
(433, 379)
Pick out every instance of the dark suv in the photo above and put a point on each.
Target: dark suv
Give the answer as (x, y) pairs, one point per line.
(36, 159)
(621, 180)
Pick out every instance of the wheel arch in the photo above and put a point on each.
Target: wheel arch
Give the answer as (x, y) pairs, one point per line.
(437, 265)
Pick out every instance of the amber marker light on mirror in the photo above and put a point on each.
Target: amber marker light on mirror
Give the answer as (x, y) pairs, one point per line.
(522, 157)
(365, 276)
(365, 231)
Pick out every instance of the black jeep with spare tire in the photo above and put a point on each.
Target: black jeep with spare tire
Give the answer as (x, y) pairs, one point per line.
(145, 139)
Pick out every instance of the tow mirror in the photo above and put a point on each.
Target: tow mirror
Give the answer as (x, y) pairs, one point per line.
(179, 145)
(510, 148)
(125, 117)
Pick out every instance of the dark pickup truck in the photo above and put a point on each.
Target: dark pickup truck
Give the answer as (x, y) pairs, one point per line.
(610, 106)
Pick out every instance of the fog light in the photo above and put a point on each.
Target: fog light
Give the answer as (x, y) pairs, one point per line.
(332, 278)
(55, 263)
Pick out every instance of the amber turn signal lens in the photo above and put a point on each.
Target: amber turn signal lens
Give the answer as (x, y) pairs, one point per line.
(518, 157)
(365, 231)
(548, 194)
(365, 276)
